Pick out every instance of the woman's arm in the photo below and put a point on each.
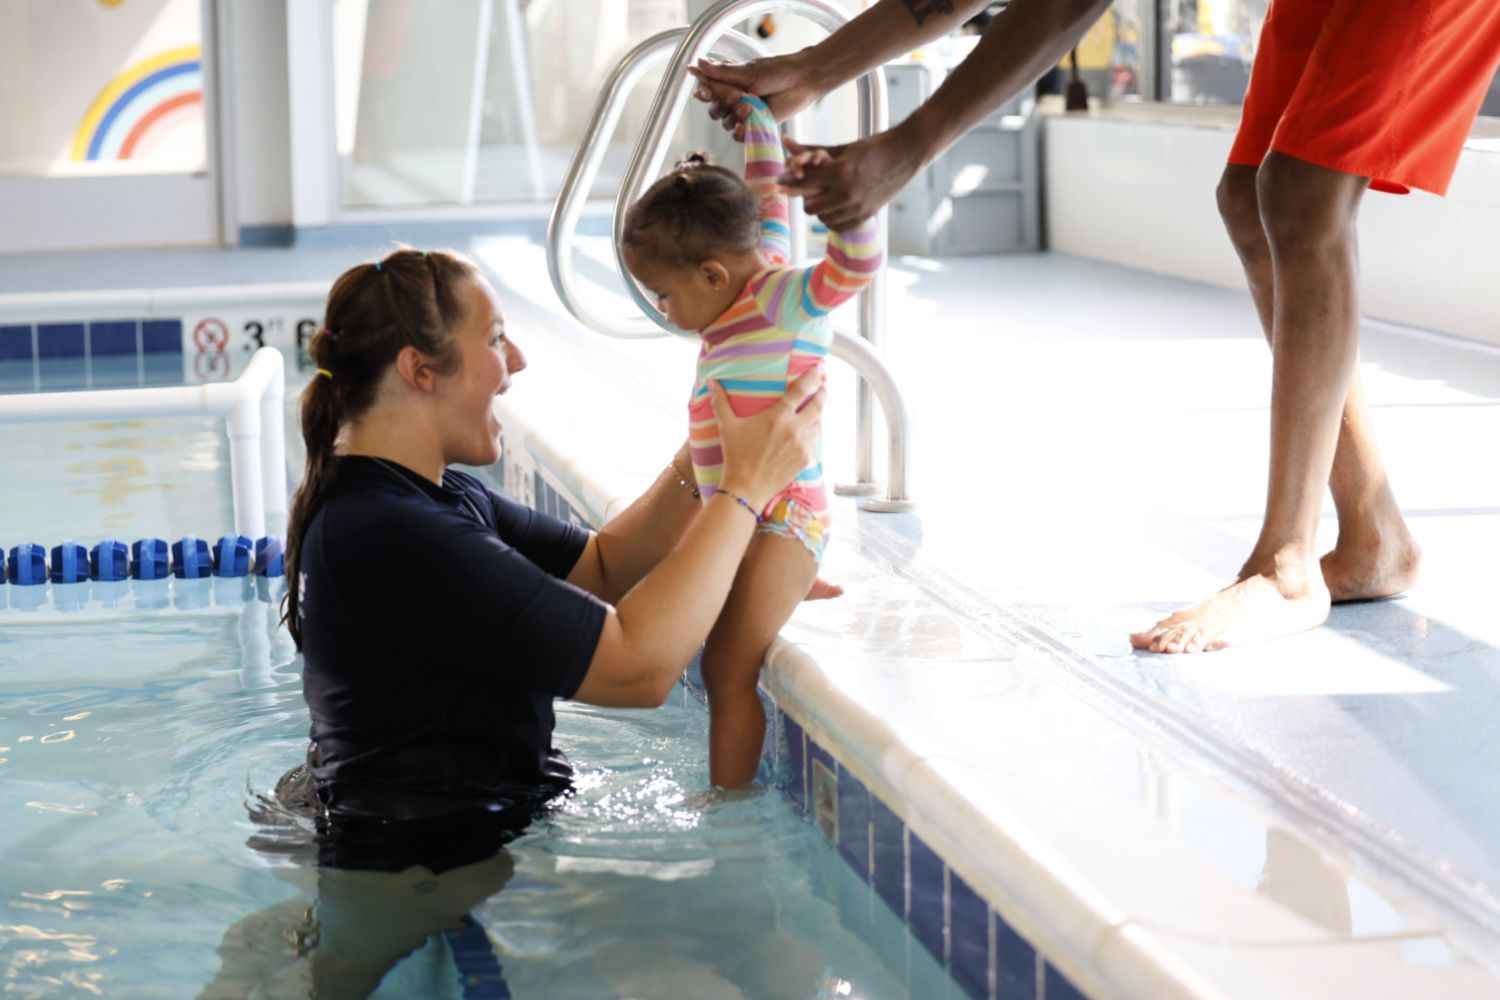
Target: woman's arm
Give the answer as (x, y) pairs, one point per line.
(649, 637)
(633, 541)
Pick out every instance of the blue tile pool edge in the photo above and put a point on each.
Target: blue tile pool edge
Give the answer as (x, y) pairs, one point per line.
(985, 956)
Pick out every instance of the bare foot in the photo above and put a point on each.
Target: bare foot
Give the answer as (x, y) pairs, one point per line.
(823, 590)
(1371, 569)
(1282, 598)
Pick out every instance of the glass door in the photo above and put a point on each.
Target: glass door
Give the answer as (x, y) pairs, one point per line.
(109, 125)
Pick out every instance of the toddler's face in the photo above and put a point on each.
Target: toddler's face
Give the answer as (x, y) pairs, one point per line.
(692, 297)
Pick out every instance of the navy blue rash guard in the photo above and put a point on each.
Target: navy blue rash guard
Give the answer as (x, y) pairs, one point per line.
(436, 632)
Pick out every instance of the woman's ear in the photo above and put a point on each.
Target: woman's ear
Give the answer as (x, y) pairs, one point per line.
(716, 274)
(415, 369)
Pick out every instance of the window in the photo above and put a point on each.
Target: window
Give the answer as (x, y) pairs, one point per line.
(1207, 48)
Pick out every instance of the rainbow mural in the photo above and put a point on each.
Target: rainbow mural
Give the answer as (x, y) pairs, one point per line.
(136, 100)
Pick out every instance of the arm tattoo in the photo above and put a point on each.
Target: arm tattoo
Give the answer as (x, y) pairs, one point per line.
(921, 10)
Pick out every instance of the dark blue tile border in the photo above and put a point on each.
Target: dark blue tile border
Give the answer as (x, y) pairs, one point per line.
(100, 337)
(823, 790)
(60, 340)
(1015, 964)
(112, 337)
(968, 938)
(854, 823)
(796, 759)
(161, 336)
(926, 910)
(888, 834)
(1056, 986)
(15, 342)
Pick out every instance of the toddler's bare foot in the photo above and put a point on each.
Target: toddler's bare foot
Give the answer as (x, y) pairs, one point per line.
(823, 590)
(1274, 598)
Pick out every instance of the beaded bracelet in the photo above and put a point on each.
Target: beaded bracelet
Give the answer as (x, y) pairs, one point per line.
(684, 481)
(745, 504)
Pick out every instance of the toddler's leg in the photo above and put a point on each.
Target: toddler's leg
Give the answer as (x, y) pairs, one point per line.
(771, 582)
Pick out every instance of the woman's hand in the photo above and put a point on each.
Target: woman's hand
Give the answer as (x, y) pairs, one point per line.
(785, 83)
(845, 185)
(763, 453)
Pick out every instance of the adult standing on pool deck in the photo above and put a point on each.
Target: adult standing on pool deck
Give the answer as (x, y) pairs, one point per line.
(437, 619)
(1344, 95)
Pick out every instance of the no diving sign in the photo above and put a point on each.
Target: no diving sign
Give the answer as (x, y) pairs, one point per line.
(211, 335)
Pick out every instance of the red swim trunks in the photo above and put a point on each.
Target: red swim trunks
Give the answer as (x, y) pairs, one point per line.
(1385, 89)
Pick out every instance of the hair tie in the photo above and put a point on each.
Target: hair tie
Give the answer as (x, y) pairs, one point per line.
(326, 374)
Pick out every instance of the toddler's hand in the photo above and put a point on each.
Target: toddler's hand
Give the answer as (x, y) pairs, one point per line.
(723, 100)
(803, 157)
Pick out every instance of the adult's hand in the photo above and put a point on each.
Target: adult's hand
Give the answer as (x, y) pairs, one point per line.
(785, 83)
(763, 453)
(844, 185)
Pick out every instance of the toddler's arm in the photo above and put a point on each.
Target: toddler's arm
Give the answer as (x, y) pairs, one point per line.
(764, 162)
(853, 258)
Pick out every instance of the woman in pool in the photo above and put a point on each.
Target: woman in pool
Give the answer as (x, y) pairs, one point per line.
(437, 619)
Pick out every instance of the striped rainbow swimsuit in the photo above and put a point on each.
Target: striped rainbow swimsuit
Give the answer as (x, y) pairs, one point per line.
(777, 329)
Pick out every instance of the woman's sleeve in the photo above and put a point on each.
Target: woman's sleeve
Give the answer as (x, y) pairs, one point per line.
(550, 542)
(764, 163)
(488, 607)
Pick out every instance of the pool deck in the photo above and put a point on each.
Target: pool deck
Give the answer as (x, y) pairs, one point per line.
(1309, 817)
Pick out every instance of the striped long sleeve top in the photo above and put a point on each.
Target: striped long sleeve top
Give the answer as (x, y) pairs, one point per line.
(778, 328)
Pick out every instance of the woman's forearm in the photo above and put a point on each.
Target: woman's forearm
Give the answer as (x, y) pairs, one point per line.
(1026, 40)
(656, 628)
(635, 540)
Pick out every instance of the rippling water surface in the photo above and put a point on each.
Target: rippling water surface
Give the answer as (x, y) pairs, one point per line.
(136, 741)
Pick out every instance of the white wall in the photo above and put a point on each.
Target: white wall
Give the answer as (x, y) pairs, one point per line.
(1141, 193)
(258, 181)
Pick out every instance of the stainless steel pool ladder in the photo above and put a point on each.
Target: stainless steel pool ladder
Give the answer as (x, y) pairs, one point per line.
(714, 29)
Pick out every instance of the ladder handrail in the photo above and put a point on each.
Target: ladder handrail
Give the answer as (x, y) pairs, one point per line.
(672, 95)
(562, 226)
(645, 164)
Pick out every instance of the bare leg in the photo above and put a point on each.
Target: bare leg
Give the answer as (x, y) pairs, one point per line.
(1309, 215)
(772, 580)
(1375, 555)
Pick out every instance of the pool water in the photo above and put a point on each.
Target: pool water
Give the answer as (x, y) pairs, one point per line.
(141, 726)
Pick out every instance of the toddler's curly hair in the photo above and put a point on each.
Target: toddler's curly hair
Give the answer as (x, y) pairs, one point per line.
(697, 212)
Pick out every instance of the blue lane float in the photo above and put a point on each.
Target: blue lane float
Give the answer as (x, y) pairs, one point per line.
(70, 563)
(148, 559)
(270, 557)
(27, 564)
(233, 556)
(109, 561)
(191, 559)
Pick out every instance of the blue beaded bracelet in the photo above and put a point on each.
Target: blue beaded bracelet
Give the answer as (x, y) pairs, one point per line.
(745, 504)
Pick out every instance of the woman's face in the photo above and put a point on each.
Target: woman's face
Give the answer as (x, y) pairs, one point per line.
(471, 431)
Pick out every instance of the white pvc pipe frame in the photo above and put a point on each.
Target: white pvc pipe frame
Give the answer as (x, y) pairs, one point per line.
(251, 405)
